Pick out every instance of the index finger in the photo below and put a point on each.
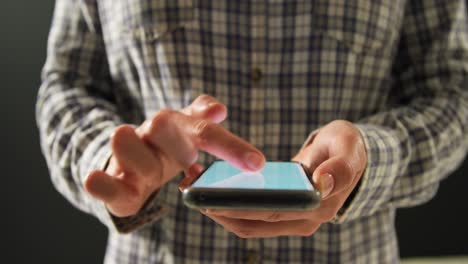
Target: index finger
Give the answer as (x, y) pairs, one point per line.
(173, 127)
(216, 140)
(206, 107)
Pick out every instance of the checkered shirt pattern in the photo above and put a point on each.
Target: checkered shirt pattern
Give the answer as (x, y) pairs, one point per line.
(398, 69)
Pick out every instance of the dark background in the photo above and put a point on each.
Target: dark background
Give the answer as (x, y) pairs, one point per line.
(40, 226)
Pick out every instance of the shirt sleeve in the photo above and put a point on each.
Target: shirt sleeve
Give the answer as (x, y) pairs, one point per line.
(414, 145)
(76, 111)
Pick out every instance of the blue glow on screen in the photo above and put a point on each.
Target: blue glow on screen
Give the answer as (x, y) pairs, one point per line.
(275, 176)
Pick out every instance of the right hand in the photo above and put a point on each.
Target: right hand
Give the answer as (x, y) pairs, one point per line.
(146, 158)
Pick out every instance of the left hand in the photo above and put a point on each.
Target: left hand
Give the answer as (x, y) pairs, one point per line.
(337, 157)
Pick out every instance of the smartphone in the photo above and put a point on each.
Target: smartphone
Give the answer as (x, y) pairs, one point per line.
(284, 186)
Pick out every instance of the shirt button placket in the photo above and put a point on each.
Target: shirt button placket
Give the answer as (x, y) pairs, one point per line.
(257, 109)
(257, 73)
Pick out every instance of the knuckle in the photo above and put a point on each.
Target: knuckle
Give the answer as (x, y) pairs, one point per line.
(160, 119)
(204, 98)
(203, 129)
(349, 136)
(338, 123)
(341, 122)
(348, 131)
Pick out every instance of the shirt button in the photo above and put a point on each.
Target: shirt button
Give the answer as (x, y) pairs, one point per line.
(256, 74)
(252, 257)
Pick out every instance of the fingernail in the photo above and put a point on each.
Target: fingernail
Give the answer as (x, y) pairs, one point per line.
(326, 184)
(182, 188)
(184, 183)
(254, 161)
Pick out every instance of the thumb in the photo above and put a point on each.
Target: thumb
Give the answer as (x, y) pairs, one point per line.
(333, 176)
(191, 174)
(206, 107)
(121, 199)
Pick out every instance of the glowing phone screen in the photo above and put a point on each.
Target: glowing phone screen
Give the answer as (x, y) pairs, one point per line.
(274, 176)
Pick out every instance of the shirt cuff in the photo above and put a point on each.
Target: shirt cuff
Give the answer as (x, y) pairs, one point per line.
(376, 184)
(152, 210)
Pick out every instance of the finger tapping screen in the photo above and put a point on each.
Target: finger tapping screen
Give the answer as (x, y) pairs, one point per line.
(274, 176)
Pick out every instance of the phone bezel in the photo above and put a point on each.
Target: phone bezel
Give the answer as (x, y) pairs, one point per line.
(253, 199)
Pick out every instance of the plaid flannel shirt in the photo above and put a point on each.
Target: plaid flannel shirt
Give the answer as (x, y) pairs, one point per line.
(398, 69)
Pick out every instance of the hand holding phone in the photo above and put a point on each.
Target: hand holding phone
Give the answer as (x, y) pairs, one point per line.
(337, 156)
(278, 186)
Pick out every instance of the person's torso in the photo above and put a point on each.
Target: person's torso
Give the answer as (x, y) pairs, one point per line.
(283, 69)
